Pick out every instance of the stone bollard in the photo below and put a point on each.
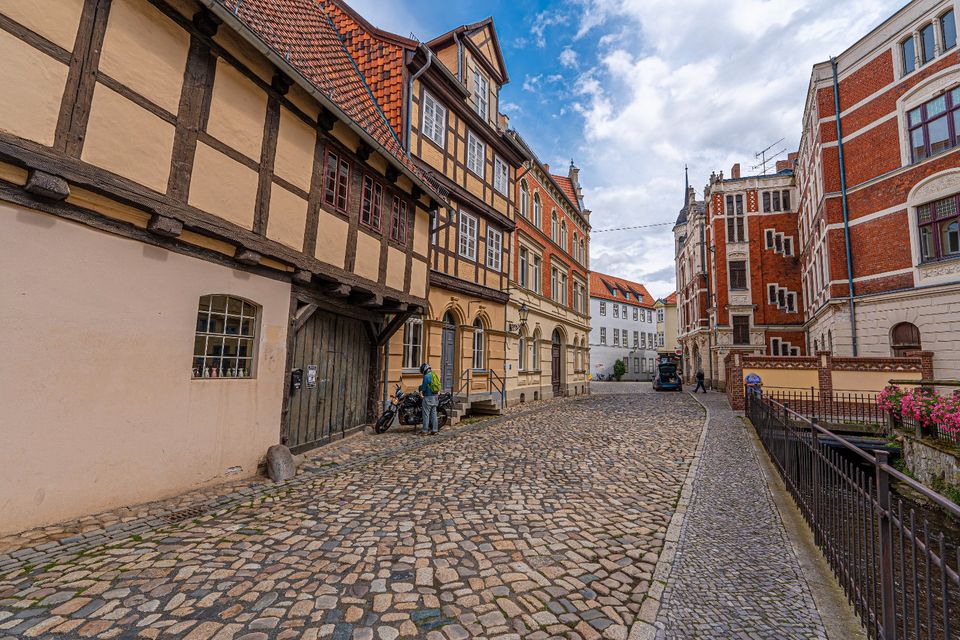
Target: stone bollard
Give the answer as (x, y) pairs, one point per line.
(280, 465)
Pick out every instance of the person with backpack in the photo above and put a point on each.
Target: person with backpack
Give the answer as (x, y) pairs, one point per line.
(429, 390)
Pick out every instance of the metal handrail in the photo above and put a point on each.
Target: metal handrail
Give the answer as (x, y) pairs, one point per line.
(941, 500)
(500, 388)
(882, 559)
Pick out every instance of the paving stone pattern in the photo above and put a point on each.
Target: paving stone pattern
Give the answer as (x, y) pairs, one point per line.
(540, 525)
(735, 574)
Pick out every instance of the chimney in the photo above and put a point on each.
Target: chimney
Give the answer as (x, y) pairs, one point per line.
(503, 122)
(735, 172)
(783, 164)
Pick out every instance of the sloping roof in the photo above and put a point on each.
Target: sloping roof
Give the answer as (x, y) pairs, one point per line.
(567, 187)
(671, 299)
(304, 34)
(603, 286)
(378, 54)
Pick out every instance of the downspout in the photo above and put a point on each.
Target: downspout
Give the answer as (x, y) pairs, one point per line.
(846, 211)
(456, 39)
(413, 78)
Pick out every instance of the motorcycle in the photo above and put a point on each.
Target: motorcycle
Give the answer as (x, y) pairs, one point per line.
(409, 406)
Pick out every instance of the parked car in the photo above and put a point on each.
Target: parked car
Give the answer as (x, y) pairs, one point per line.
(668, 373)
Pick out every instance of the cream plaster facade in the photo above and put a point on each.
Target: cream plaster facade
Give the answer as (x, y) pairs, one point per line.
(102, 391)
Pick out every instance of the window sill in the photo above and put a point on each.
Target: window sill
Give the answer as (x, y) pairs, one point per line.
(935, 262)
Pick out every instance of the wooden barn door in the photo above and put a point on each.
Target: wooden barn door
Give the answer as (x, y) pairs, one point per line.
(333, 352)
(448, 351)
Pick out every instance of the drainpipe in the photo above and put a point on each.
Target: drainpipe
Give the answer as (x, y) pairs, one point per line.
(456, 38)
(413, 78)
(846, 211)
(386, 375)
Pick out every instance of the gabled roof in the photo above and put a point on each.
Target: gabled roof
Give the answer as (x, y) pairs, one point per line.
(442, 41)
(566, 185)
(619, 290)
(301, 35)
(670, 299)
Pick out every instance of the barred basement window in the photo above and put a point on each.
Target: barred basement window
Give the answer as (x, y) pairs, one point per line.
(225, 337)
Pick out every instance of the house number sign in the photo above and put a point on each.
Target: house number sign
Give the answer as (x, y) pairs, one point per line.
(311, 376)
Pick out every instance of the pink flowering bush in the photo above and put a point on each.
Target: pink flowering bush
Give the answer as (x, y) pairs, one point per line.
(924, 406)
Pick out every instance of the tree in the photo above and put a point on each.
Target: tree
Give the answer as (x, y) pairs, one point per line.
(619, 368)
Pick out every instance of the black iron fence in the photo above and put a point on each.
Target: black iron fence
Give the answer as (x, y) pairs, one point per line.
(836, 408)
(896, 570)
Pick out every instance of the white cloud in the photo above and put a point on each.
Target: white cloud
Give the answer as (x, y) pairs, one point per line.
(532, 83)
(568, 58)
(542, 21)
(698, 82)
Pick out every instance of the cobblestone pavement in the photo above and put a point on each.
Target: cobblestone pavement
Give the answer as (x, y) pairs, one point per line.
(139, 518)
(541, 525)
(735, 574)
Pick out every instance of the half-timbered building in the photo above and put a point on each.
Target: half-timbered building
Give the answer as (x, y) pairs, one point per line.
(444, 95)
(210, 228)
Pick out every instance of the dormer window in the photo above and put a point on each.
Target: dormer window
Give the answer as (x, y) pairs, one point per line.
(481, 90)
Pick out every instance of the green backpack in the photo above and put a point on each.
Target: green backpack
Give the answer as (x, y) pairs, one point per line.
(434, 382)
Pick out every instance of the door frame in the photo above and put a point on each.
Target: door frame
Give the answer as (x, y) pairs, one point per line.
(557, 363)
(444, 328)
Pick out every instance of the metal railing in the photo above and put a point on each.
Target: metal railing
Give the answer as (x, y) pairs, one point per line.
(835, 407)
(892, 566)
(494, 384)
(933, 429)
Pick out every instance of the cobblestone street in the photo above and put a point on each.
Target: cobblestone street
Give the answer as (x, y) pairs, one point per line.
(546, 524)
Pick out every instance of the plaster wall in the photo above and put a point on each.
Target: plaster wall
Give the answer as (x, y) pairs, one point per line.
(55, 20)
(33, 85)
(100, 409)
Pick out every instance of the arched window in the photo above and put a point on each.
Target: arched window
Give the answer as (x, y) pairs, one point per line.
(524, 199)
(563, 234)
(576, 247)
(554, 226)
(522, 351)
(537, 210)
(903, 338)
(479, 344)
(535, 358)
(576, 354)
(225, 338)
(583, 253)
(830, 339)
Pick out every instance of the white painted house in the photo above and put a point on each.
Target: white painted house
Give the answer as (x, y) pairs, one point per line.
(623, 327)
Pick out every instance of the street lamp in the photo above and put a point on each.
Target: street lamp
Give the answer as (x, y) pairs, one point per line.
(524, 313)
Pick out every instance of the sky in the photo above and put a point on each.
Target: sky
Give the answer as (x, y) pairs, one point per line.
(634, 90)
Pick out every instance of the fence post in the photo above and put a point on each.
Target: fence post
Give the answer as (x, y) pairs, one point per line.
(887, 594)
(815, 478)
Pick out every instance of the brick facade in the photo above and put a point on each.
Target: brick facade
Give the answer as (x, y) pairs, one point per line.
(885, 185)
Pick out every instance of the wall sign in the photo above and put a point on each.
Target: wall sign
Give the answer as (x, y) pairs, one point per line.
(311, 376)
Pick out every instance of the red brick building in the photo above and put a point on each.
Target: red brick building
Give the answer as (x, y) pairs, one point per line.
(739, 271)
(895, 207)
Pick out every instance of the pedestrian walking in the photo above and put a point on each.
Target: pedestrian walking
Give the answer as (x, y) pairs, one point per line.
(700, 382)
(429, 389)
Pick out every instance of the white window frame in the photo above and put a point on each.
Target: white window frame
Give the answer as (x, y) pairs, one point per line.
(603, 335)
(481, 89)
(494, 249)
(467, 245)
(524, 199)
(476, 154)
(413, 343)
(479, 345)
(537, 273)
(501, 176)
(603, 308)
(524, 265)
(433, 123)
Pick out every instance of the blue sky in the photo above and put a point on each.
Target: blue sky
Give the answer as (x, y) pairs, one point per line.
(634, 89)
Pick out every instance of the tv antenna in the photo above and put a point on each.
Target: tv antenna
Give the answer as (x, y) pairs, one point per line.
(767, 156)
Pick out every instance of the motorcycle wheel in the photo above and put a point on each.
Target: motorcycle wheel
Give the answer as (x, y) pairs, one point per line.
(384, 422)
(442, 417)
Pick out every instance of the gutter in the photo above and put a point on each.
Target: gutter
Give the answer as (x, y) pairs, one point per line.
(251, 37)
(413, 78)
(846, 210)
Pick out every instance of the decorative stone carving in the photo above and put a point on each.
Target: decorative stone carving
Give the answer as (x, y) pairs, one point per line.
(930, 271)
(936, 186)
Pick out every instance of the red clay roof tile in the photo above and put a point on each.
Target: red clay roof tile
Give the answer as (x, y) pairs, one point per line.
(602, 286)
